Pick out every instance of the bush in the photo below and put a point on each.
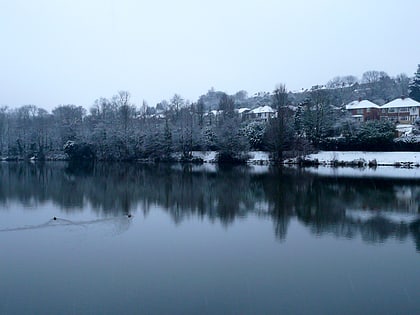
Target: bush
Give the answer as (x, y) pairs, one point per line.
(371, 136)
(79, 151)
(229, 158)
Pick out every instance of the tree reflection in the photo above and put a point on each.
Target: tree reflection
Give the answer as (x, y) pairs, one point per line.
(343, 207)
(415, 232)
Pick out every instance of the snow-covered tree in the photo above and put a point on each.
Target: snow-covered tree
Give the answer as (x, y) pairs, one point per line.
(316, 117)
(376, 134)
(230, 141)
(254, 132)
(414, 86)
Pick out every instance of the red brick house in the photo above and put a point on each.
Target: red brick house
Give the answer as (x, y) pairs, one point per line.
(363, 110)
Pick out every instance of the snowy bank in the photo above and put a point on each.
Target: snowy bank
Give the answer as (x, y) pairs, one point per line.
(335, 158)
(410, 159)
(255, 157)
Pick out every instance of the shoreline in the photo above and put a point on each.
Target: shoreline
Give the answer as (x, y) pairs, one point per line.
(352, 159)
(363, 159)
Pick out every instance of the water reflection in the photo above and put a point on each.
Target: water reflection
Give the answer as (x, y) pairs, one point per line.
(375, 209)
(122, 223)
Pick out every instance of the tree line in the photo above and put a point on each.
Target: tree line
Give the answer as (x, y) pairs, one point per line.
(115, 129)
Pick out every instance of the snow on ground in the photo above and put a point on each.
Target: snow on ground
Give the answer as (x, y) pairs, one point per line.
(259, 156)
(326, 157)
(259, 161)
(207, 156)
(256, 157)
(382, 158)
(386, 161)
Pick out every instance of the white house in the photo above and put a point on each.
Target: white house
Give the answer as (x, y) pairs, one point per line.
(262, 113)
(403, 110)
(243, 111)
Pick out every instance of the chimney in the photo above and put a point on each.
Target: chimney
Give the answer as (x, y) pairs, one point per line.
(402, 97)
(360, 99)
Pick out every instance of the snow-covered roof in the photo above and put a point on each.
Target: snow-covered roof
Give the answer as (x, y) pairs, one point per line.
(216, 112)
(243, 109)
(404, 128)
(158, 115)
(263, 109)
(361, 104)
(401, 102)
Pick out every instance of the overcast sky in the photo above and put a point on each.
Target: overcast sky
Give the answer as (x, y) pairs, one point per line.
(73, 51)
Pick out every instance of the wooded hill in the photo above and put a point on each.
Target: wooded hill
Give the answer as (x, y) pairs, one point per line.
(116, 129)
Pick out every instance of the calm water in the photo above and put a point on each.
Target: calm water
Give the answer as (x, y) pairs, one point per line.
(200, 241)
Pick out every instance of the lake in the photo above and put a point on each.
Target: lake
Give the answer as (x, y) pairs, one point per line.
(182, 239)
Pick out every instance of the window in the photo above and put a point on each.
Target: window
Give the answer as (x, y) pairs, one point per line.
(391, 110)
(404, 118)
(360, 111)
(404, 110)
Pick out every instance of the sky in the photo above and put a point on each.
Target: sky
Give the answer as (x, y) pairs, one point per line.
(56, 52)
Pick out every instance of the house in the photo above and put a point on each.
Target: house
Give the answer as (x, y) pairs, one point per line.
(262, 113)
(363, 110)
(403, 110)
(212, 116)
(242, 111)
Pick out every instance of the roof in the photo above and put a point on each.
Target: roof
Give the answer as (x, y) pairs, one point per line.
(361, 104)
(262, 109)
(243, 109)
(216, 112)
(401, 102)
(403, 127)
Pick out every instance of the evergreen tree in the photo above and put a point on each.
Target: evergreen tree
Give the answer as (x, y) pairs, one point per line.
(230, 141)
(316, 117)
(414, 86)
(280, 129)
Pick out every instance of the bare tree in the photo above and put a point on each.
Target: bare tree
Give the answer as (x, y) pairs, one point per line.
(349, 80)
(177, 102)
(371, 76)
(68, 119)
(227, 105)
(402, 81)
